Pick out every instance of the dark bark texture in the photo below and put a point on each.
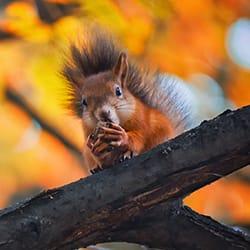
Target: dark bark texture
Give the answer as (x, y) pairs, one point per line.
(120, 203)
(172, 226)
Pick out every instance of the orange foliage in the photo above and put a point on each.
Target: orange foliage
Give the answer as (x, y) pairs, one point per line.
(225, 199)
(239, 88)
(45, 163)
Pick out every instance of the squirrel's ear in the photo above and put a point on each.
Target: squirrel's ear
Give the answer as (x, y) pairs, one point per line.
(121, 68)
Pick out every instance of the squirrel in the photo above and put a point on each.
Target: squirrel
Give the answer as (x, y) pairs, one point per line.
(125, 109)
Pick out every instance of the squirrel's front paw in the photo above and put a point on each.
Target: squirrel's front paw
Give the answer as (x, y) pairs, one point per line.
(109, 144)
(102, 152)
(115, 136)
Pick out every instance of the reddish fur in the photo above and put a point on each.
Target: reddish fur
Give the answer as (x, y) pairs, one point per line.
(147, 128)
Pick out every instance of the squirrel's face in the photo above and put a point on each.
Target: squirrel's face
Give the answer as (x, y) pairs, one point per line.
(104, 99)
(104, 96)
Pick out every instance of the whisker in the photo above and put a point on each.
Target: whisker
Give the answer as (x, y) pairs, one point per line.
(125, 110)
(123, 106)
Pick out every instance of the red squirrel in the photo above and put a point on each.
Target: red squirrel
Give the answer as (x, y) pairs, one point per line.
(124, 109)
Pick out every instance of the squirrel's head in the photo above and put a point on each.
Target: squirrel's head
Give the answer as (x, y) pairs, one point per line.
(104, 96)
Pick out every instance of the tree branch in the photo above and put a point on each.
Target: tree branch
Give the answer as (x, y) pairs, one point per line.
(15, 98)
(85, 210)
(172, 226)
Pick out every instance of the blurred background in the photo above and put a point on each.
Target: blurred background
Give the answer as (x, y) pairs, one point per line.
(205, 42)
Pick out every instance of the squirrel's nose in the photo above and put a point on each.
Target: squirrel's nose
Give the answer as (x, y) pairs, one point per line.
(104, 115)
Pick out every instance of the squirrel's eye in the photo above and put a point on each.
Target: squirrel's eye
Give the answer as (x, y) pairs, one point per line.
(118, 91)
(84, 102)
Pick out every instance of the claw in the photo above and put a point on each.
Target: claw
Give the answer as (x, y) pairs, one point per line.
(95, 170)
(126, 156)
(122, 159)
(92, 171)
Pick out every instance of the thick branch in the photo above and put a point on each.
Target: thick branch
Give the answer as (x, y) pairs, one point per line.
(102, 203)
(172, 226)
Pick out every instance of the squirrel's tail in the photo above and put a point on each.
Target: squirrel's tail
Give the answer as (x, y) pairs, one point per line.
(173, 98)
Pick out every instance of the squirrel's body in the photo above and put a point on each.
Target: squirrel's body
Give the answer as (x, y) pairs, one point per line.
(124, 110)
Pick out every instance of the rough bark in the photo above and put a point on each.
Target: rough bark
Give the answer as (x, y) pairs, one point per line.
(95, 206)
(172, 226)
